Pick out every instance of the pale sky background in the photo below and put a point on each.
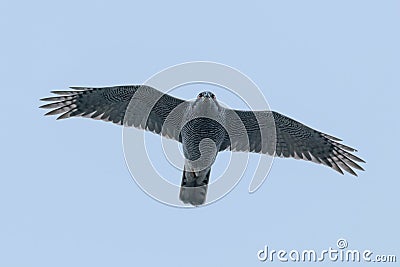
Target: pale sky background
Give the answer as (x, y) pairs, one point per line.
(66, 195)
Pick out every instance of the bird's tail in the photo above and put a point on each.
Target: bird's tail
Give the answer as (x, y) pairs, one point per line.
(194, 187)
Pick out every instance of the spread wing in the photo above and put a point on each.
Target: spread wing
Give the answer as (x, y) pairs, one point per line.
(293, 139)
(134, 105)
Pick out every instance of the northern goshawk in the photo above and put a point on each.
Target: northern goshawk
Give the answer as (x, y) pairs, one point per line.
(204, 128)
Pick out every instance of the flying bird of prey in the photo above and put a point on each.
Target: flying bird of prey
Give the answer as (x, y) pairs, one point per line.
(204, 128)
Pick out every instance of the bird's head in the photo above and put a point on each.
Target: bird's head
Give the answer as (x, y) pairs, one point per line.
(206, 95)
(206, 101)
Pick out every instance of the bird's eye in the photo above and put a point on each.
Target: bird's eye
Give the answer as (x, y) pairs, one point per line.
(212, 96)
(200, 95)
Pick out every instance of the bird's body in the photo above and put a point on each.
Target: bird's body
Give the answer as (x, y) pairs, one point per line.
(202, 138)
(204, 128)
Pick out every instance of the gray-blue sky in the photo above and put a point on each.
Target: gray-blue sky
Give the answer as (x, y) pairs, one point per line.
(66, 196)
